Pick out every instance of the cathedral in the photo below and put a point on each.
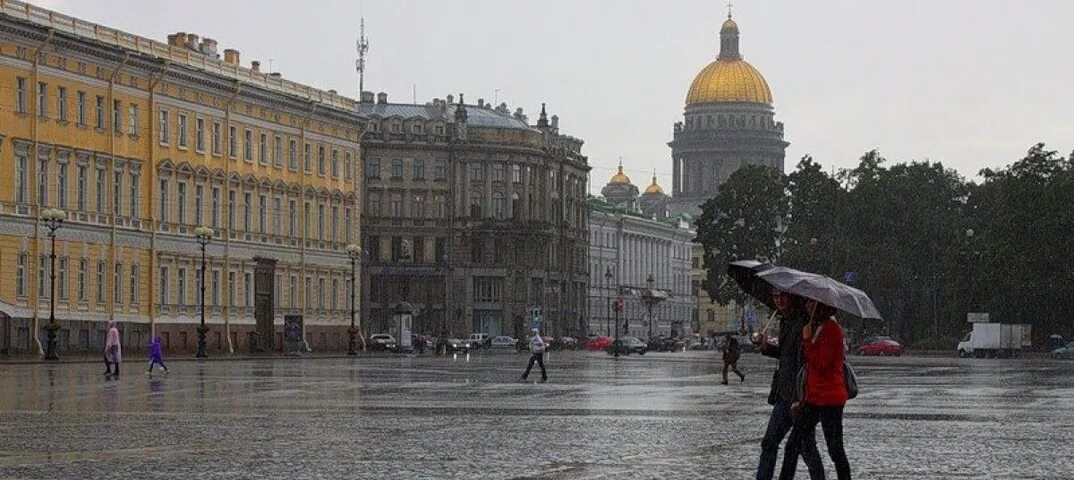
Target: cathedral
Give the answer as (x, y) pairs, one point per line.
(729, 122)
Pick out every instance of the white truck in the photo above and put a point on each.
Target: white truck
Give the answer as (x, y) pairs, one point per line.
(995, 340)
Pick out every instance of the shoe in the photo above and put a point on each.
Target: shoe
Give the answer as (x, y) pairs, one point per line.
(108, 373)
(743, 377)
(724, 382)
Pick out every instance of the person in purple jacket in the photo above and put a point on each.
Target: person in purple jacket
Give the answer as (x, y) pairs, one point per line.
(156, 355)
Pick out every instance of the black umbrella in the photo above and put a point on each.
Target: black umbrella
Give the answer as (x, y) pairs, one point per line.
(744, 272)
(822, 289)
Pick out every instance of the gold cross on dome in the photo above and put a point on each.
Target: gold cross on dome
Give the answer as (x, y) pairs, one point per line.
(729, 7)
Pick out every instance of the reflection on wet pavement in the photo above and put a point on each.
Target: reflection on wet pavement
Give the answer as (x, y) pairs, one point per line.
(657, 416)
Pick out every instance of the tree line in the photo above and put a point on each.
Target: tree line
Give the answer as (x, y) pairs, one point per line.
(928, 245)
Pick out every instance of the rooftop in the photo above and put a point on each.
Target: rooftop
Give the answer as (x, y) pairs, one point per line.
(476, 116)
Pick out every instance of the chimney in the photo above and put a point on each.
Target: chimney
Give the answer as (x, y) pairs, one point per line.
(382, 97)
(231, 56)
(255, 66)
(367, 97)
(192, 41)
(450, 99)
(481, 103)
(208, 47)
(173, 39)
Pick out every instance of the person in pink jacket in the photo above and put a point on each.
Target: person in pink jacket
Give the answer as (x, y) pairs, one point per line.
(113, 351)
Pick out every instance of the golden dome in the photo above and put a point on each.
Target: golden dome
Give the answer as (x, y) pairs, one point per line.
(620, 178)
(729, 81)
(729, 26)
(654, 188)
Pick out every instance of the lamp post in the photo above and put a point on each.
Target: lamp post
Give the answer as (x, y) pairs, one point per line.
(354, 251)
(608, 284)
(649, 281)
(204, 235)
(53, 218)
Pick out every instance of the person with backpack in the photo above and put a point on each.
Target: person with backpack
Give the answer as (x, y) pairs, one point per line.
(537, 347)
(731, 353)
(824, 391)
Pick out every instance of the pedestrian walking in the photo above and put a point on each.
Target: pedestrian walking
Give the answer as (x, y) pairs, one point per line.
(113, 351)
(537, 347)
(784, 391)
(825, 392)
(731, 353)
(156, 355)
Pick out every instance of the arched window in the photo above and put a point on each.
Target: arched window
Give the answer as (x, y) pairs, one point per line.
(475, 204)
(498, 205)
(516, 205)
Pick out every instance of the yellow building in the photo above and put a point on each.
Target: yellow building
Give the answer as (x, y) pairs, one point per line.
(140, 142)
(711, 316)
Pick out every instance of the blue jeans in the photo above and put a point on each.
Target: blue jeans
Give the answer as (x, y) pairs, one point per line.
(778, 425)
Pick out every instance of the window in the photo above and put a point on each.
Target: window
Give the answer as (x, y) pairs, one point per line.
(117, 194)
(397, 168)
(231, 209)
(320, 160)
(61, 278)
(441, 250)
(419, 249)
(373, 244)
(20, 95)
(292, 155)
(248, 145)
(216, 138)
(277, 152)
(163, 285)
(306, 221)
(117, 283)
(488, 289)
(308, 293)
(335, 293)
(61, 186)
(100, 112)
(497, 172)
(100, 190)
(476, 172)
(348, 166)
(498, 205)
(134, 196)
(395, 204)
(439, 129)
(182, 130)
(81, 108)
(117, 116)
(292, 292)
(516, 205)
(347, 225)
(42, 99)
(20, 275)
(233, 141)
(199, 134)
(320, 294)
(61, 104)
(320, 222)
(292, 230)
(276, 205)
(417, 129)
(307, 158)
(164, 201)
(475, 203)
(199, 195)
(21, 166)
(42, 183)
(246, 211)
(335, 163)
(248, 288)
(83, 265)
(419, 169)
(373, 205)
(396, 128)
(180, 297)
(372, 168)
(181, 202)
(134, 119)
(262, 152)
(417, 207)
(231, 298)
(214, 211)
(335, 223)
(133, 294)
(262, 212)
(516, 173)
(441, 206)
(216, 288)
(164, 127)
(100, 281)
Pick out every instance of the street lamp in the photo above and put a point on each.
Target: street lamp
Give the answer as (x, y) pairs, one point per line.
(53, 218)
(649, 281)
(608, 284)
(354, 251)
(204, 235)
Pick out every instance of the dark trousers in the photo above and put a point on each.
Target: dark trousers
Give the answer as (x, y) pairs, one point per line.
(805, 428)
(733, 366)
(778, 425)
(539, 358)
(157, 362)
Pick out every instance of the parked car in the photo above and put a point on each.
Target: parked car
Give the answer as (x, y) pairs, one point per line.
(565, 343)
(382, 342)
(628, 345)
(1066, 352)
(420, 342)
(454, 345)
(662, 344)
(480, 340)
(881, 346)
(597, 344)
(745, 345)
(503, 341)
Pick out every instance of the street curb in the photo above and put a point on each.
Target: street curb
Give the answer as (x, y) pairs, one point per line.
(228, 358)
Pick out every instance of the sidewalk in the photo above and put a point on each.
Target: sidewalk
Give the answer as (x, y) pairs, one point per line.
(219, 357)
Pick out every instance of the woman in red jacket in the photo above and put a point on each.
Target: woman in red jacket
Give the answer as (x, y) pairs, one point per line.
(825, 389)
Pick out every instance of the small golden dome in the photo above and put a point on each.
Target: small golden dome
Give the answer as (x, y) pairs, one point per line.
(620, 178)
(729, 81)
(729, 26)
(654, 188)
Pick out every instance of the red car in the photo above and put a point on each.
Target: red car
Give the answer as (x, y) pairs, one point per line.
(598, 344)
(881, 346)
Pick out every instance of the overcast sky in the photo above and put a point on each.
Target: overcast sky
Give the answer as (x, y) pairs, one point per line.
(970, 83)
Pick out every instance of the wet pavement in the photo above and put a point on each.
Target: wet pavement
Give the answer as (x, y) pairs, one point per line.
(658, 416)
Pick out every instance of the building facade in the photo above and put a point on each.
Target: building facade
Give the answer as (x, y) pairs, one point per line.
(626, 248)
(140, 142)
(728, 122)
(474, 217)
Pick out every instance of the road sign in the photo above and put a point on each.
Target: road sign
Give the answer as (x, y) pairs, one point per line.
(977, 317)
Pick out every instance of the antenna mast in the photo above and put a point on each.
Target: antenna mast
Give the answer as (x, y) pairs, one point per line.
(359, 65)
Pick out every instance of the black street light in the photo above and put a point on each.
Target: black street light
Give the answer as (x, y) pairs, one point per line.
(608, 284)
(649, 281)
(204, 235)
(53, 218)
(354, 251)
